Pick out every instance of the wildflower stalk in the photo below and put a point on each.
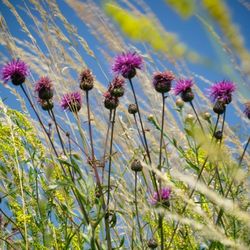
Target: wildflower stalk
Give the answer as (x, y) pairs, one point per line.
(139, 133)
(108, 237)
(198, 119)
(39, 119)
(161, 230)
(110, 155)
(106, 143)
(143, 133)
(140, 136)
(159, 167)
(13, 222)
(140, 119)
(57, 130)
(137, 212)
(90, 132)
(52, 144)
(193, 190)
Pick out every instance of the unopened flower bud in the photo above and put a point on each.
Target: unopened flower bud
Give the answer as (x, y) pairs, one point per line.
(219, 107)
(136, 166)
(132, 109)
(218, 135)
(188, 95)
(206, 116)
(86, 80)
(189, 118)
(179, 103)
(152, 243)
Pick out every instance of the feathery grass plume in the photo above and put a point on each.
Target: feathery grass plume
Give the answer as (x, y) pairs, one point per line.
(185, 8)
(144, 29)
(15, 70)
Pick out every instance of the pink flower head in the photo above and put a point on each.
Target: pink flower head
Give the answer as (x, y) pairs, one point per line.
(127, 63)
(72, 101)
(163, 77)
(117, 82)
(164, 196)
(222, 91)
(116, 88)
(43, 83)
(16, 70)
(182, 85)
(162, 81)
(247, 109)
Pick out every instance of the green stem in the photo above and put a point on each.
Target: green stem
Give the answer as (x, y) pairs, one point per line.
(137, 212)
(198, 119)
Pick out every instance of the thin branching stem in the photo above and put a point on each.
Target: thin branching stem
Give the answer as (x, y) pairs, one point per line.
(137, 212)
(106, 144)
(196, 114)
(39, 119)
(110, 155)
(57, 130)
(144, 136)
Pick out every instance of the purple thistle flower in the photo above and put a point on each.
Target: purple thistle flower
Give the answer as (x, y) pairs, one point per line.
(72, 101)
(16, 71)
(127, 63)
(44, 88)
(164, 197)
(162, 81)
(247, 109)
(222, 91)
(183, 85)
(43, 83)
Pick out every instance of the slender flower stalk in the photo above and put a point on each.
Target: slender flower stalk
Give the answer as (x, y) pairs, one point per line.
(57, 129)
(137, 212)
(39, 119)
(108, 237)
(110, 154)
(139, 133)
(106, 143)
(197, 117)
(160, 166)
